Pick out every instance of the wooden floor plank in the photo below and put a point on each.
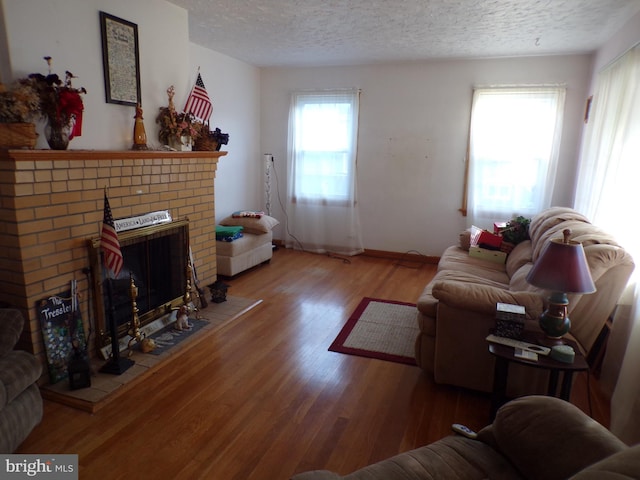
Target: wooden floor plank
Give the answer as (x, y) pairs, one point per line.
(263, 398)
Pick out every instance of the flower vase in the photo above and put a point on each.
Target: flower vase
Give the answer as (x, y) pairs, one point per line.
(57, 135)
(183, 144)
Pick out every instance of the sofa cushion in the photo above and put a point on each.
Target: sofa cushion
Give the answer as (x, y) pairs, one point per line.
(549, 219)
(449, 458)
(619, 466)
(575, 440)
(11, 322)
(518, 282)
(458, 260)
(483, 298)
(603, 257)
(18, 370)
(19, 418)
(428, 304)
(519, 256)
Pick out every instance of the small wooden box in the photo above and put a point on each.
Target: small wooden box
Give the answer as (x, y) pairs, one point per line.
(495, 256)
(510, 320)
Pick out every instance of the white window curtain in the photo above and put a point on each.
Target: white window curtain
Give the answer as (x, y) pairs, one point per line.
(513, 151)
(322, 207)
(607, 192)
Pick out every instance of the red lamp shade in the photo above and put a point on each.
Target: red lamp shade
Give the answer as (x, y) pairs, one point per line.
(562, 268)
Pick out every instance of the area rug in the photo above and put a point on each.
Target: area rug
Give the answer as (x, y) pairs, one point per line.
(170, 337)
(381, 329)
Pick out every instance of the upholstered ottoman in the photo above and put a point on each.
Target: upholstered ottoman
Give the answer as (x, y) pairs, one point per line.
(243, 253)
(252, 248)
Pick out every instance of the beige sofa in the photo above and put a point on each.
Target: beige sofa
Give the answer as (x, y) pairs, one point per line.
(457, 308)
(532, 438)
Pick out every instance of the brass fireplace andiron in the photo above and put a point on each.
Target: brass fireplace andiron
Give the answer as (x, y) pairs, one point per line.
(134, 325)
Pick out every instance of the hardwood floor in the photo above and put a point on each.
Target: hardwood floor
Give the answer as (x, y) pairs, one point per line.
(263, 398)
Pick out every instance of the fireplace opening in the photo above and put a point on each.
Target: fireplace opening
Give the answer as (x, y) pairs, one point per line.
(155, 258)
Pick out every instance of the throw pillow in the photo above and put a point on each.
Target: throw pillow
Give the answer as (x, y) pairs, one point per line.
(465, 240)
(257, 226)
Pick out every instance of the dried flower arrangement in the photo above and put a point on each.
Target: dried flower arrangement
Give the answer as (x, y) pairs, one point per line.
(174, 125)
(19, 103)
(60, 103)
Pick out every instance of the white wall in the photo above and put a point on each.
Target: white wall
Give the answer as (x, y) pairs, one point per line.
(414, 120)
(234, 89)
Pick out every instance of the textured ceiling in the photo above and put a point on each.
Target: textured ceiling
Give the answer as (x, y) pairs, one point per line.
(343, 32)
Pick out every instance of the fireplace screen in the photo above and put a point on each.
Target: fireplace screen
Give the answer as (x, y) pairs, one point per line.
(155, 257)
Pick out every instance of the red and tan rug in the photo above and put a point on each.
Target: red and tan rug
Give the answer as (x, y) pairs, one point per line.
(381, 329)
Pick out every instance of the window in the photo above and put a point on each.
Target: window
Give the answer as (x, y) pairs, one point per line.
(324, 128)
(513, 151)
(322, 213)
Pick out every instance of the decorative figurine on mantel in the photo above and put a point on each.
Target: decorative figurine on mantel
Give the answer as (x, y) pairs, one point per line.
(139, 134)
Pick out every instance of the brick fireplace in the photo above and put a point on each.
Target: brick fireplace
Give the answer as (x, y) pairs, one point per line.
(51, 206)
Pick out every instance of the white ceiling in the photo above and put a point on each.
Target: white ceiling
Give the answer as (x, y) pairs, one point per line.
(345, 32)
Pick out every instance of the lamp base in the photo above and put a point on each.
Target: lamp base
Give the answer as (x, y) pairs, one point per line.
(554, 321)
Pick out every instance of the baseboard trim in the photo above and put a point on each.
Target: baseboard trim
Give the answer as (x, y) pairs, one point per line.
(405, 257)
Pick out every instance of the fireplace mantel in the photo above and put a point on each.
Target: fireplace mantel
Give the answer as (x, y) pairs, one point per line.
(51, 203)
(75, 155)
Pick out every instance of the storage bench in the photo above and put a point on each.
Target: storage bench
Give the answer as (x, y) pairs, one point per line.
(243, 253)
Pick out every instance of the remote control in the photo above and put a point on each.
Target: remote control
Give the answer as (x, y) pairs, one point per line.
(510, 342)
(464, 430)
(526, 355)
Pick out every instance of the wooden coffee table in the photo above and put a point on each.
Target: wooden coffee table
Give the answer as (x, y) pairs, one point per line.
(506, 355)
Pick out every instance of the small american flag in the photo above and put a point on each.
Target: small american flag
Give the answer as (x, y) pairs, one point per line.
(109, 241)
(198, 102)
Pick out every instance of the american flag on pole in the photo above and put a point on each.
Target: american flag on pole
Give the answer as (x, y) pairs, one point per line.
(198, 102)
(109, 241)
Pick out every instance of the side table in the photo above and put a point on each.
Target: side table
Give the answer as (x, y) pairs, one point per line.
(505, 355)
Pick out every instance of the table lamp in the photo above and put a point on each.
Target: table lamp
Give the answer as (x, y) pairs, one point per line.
(561, 268)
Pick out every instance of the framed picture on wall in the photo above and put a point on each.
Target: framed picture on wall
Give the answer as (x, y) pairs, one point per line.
(121, 60)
